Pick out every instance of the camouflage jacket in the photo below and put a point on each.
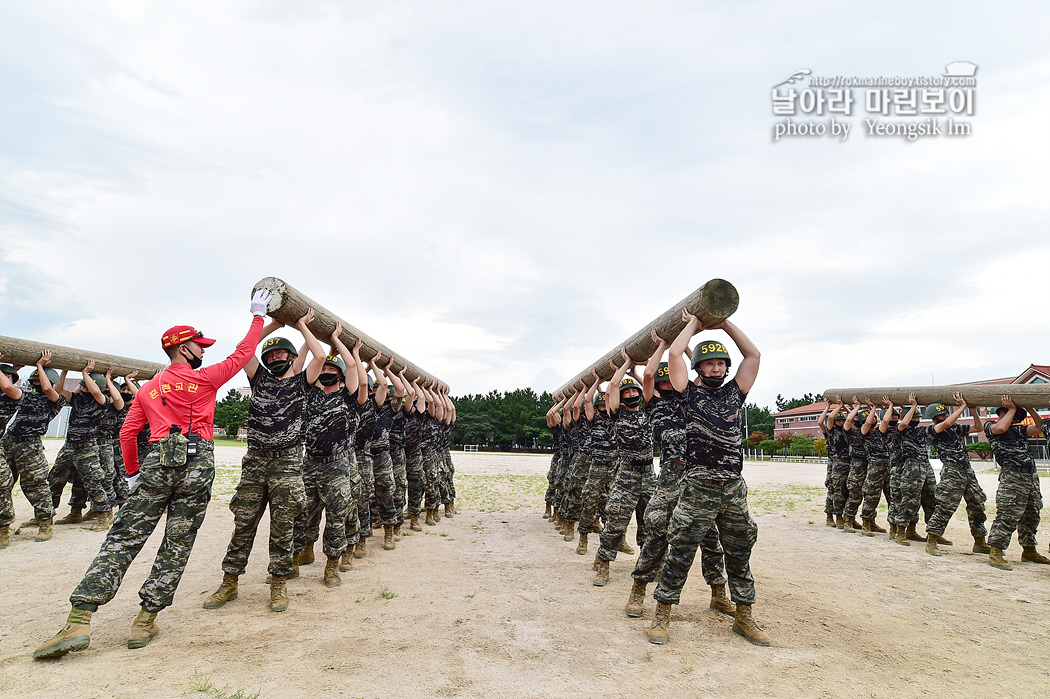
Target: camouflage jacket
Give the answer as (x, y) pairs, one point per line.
(950, 443)
(914, 444)
(413, 431)
(634, 436)
(85, 417)
(366, 425)
(34, 414)
(275, 412)
(8, 407)
(855, 440)
(397, 428)
(714, 431)
(876, 446)
(668, 420)
(381, 431)
(601, 441)
(331, 421)
(1010, 448)
(838, 447)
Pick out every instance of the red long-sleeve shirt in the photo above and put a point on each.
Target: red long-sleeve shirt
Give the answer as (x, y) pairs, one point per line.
(183, 389)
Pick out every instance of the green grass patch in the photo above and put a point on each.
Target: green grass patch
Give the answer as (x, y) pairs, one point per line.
(803, 499)
(500, 493)
(203, 684)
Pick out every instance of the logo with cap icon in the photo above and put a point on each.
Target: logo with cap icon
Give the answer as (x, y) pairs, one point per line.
(960, 69)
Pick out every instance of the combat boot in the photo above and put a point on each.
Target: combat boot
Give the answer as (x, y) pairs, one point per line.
(943, 542)
(143, 629)
(388, 538)
(562, 526)
(45, 531)
(5, 536)
(660, 629)
(413, 523)
(569, 535)
(227, 592)
(847, 525)
(911, 534)
(581, 548)
(75, 635)
(104, 522)
(430, 518)
(838, 521)
(893, 531)
(624, 547)
(1029, 554)
(397, 533)
(29, 523)
(75, 516)
(331, 572)
(452, 506)
(597, 528)
(865, 528)
(996, 560)
(359, 550)
(720, 601)
(876, 529)
(278, 594)
(306, 556)
(830, 520)
(90, 515)
(547, 512)
(636, 601)
(745, 626)
(901, 538)
(980, 545)
(449, 512)
(295, 568)
(346, 562)
(437, 515)
(602, 578)
(931, 544)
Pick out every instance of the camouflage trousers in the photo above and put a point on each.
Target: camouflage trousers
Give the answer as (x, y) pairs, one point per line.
(703, 504)
(657, 516)
(383, 473)
(327, 484)
(893, 501)
(82, 459)
(837, 486)
(7, 484)
(958, 482)
(113, 465)
(416, 480)
(267, 478)
(357, 494)
(430, 478)
(368, 492)
(446, 476)
(28, 466)
(552, 476)
(1017, 505)
(631, 490)
(874, 484)
(397, 458)
(596, 490)
(918, 487)
(858, 471)
(572, 499)
(183, 492)
(560, 476)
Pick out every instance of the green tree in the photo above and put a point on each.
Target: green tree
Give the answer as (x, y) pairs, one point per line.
(769, 447)
(789, 403)
(758, 419)
(801, 444)
(232, 412)
(756, 438)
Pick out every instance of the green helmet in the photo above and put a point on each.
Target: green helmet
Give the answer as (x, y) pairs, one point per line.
(337, 362)
(9, 369)
(663, 372)
(629, 382)
(711, 349)
(840, 415)
(278, 343)
(51, 374)
(935, 409)
(99, 379)
(390, 390)
(863, 415)
(599, 398)
(895, 416)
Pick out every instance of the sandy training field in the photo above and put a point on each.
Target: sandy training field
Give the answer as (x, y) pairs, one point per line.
(492, 603)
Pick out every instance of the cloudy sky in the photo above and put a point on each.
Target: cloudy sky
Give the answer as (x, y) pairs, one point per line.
(504, 191)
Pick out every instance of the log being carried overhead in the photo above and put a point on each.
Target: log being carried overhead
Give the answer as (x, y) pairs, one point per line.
(986, 395)
(713, 302)
(27, 352)
(288, 305)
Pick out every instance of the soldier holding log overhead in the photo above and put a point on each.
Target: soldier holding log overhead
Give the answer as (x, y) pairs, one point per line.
(382, 465)
(602, 443)
(877, 475)
(891, 419)
(23, 446)
(175, 478)
(272, 468)
(554, 416)
(838, 462)
(109, 440)
(10, 397)
(1018, 500)
(398, 456)
(580, 466)
(713, 492)
(573, 436)
(363, 456)
(858, 465)
(415, 407)
(958, 481)
(448, 471)
(915, 476)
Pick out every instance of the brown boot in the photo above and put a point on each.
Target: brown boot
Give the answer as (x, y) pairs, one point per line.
(104, 522)
(875, 528)
(331, 572)
(659, 632)
(931, 544)
(980, 545)
(452, 506)
(943, 542)
(1029, 554)
(143, 629)
(227, 592)
(547, 512)
(75, 516)
(306, 556)
(278, 594)
(430, 518)
(569, 535)
(996, 560)
(865, 529)
(295, 568)
(636, 600)
(839, 521)
(893, 531)
(830, 521)
(745, 626)
(847, 525)
(720, 601)
(901, 537)
(5, 536)
(581, 548)
(397, 533)
(388, 538)
(562, 526)
(597, 529)
(90, 515)
(45, 531)
(602, 577)
(449, 512)
(75, 635)
(359, 549)
(437, 515)
(413, 523)
(624, 547)
(913, 535)
(346, 561)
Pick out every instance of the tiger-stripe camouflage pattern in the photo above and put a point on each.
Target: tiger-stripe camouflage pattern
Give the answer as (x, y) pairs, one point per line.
(368, 491)
(397, 458)
(858, 471)
(416, 476)
(837, 471)
(327, 487)
(81, 458)
(958, 482)
(28, 465)
(631, 491)
(1018, 500)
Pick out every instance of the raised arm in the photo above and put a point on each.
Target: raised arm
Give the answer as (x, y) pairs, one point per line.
(7, 386)
(380, 396)
(114, 392)
(45, 383)
(253, 363)
(588, 400)
(317, 353)
(953, 417)
(649, 375)
(906, 418)
(90, 384)
(677, 367)
(748, 371)
(612, 394)
(884, 425)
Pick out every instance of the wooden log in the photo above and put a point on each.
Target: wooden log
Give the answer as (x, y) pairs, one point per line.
(26, 352)
(288, 305)
(1034, 395)
(713, 302)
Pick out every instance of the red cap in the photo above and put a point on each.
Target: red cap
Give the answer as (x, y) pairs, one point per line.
(184, 333)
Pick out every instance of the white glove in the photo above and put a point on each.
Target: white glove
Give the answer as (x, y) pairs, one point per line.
(133, 482)
(260, 300)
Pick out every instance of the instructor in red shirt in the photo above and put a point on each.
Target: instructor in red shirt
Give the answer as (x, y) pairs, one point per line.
(176, 477)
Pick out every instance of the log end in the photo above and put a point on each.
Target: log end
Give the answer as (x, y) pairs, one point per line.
(720, 298)
(275, 286)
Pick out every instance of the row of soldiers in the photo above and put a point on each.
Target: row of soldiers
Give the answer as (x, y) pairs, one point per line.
(603, 469)
(319, 441)
(874, 453)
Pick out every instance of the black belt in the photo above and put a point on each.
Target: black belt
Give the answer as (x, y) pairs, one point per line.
(327, 459)
(274, 453)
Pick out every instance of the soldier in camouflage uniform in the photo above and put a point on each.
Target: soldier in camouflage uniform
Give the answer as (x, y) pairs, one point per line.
(714, 491)
(570, 440)
(572, 496)
(893, 492)
(382, 464)
(398, 457)
(557, 435)
(10, 397)
(272, 468)
(363, 457)
(448, 471)
(635, 481)
(858, 466)
(109, 440)
(414, 453)
(175, 481)
(877, 448)
(24, 448)
(1018, 501)
(602, 446)
(329, 476)
(838, 464)
(915, 474)
(429, 430)
(958, 481)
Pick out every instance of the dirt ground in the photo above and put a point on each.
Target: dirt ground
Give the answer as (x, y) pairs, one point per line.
(492, 603)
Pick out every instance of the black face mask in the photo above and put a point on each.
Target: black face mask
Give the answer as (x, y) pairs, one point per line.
(633, 401)
(712, 381)
(278, 367)
(194, 360)
(126, 396)
(328, 379)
